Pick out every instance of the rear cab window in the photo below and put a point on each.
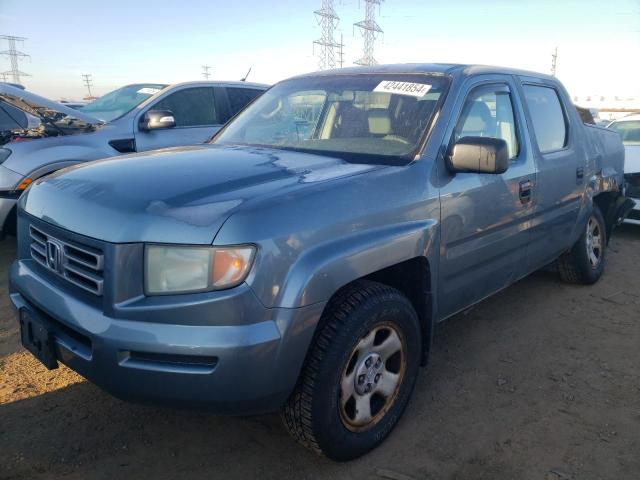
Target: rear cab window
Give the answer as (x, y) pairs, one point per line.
(548, 117)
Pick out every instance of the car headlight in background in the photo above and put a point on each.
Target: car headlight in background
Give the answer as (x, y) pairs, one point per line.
(4, 154)
(170, 269)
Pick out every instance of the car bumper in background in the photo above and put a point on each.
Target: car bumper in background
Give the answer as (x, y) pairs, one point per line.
(634, 214)
(7, 204)
(234, 365)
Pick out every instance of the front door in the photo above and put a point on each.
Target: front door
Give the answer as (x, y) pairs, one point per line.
(484, 229)
(196, 115)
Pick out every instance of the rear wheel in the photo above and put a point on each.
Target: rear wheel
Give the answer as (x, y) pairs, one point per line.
(359, 373)
(585, 262)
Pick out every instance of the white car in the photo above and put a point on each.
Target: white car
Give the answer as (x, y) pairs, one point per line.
(629, 129)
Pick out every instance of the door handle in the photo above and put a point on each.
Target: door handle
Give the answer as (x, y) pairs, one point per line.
(579, 174)
(526, 186)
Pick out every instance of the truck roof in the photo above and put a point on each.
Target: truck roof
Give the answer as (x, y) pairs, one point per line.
(437, 68)
(222, 83)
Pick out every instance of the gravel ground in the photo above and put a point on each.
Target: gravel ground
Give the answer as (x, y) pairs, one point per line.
(539, 382)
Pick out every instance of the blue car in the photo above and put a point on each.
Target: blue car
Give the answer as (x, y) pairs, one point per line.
(133, 118)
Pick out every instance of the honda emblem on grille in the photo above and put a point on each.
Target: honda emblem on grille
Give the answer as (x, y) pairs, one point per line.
(54, 255)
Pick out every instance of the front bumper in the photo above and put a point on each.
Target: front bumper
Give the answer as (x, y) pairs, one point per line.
(231, 365)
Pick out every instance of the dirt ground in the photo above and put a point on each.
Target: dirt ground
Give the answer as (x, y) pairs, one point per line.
(541, 381)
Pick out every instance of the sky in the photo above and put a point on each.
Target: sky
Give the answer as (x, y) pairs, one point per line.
(164, 41)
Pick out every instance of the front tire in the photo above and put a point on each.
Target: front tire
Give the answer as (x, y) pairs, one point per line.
(359, 373)
(585, 262)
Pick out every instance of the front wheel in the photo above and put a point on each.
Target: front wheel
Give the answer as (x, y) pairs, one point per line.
(359, 373)
(585, 262)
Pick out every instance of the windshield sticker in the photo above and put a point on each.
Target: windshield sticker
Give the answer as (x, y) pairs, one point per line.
(417, 90)
(148, 90)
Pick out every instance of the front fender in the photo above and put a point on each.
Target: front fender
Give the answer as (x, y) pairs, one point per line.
(38, 157)
(321, 271)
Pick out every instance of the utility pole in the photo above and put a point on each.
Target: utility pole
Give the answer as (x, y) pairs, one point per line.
(554, 61)
(14, 56)
(370, 31)
(88, 82)
(328, 20)
(205, 72)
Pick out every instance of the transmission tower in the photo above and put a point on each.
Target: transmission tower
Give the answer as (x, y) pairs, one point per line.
(554, 61)
(328, 20)
(205, 72)
(370, 31)
(340, 52)
(88, 82)
(14, 55)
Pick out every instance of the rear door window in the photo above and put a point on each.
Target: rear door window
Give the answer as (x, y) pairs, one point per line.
(191, 107)
(547, 115)
(240, 97)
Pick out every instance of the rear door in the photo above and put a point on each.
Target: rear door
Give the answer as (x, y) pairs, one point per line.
(197, 115)
(561, 171)
(484, 219)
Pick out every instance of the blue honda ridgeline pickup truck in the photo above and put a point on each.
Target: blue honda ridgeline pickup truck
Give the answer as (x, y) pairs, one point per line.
(301, 259)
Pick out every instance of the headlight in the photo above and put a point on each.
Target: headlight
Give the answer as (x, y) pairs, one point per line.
(195, 269)
(4, 154)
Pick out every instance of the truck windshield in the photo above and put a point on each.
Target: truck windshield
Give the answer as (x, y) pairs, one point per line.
(119, 102)
(364, 118)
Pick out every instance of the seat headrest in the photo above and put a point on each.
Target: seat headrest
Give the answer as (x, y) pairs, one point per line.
(379, 122)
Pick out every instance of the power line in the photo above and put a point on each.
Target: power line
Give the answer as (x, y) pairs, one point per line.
(14, 55)
(328, 21)
(88, 82)
(205, 72)
(370, 31)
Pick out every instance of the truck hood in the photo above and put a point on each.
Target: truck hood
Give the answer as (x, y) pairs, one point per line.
(46, 110)
(175, 195)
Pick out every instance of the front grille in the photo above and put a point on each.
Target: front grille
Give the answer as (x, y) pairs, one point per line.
(80, 265)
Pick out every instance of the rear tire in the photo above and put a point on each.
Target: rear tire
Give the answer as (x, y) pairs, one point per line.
(359, 373)
(585, 262)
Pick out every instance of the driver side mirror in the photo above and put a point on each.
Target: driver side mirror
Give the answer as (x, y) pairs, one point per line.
(157, 120)
(479, 155)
